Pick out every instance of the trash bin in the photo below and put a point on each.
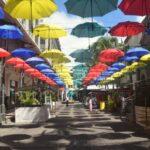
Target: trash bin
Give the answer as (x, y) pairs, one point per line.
(102, 105)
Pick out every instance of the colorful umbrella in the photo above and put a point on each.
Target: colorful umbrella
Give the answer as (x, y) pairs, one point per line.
(60, 60)
(35, 61)
(110, 55)
(23, 66)
(135, 7)
(49, 31)
(129, 59)
(4, 53)
(113, 69)
(119, 65)
(52, 53)
(42, 66)
(47, 71)
(15, 61)
(88, 29)
(2, 13)
(10, 32)
(127, 29)
(23, 53)
(83, 55)
(138, 51)
(145, 58)
(90, 8)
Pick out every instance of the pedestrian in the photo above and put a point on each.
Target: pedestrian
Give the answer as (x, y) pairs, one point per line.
(91, 103)
(67, 102)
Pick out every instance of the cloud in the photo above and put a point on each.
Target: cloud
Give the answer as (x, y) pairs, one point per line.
(70, 43)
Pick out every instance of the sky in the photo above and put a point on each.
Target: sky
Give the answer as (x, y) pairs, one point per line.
(68, 21)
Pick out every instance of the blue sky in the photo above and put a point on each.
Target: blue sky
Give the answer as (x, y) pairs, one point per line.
(108, 20)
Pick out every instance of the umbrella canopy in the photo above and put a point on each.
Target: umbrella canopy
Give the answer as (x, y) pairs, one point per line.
(23, 66)
(110, 55)
(90, 8)
(42, 67)
(128, 28)
(4, 53)
(10, 32)
(88, 29)
(63, 59)
(47, 71)
(15, 61)
(130, 59)
(23, 53)
(49, 31)
(31, 70)
(119, 65)
(35, 60)
(83, 55)
(145, 58)
(138, 51)
(131, 7)
(113, 69)
(2, 14)
(52, 53)
(30, 9)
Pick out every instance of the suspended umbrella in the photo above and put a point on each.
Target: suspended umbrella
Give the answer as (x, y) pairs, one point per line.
(82, 56)
(119, 65)
(4, 53)
(2, 13)
(35, 61)
(23, 53)
(113, 69)
(90, 8)
(49, 31)
(47, 71)
(128, 28)
(22, 66)
(110, 55)
(10, 32)
(52, 53)
(60, 60)
(42, 66)
(145, 58)
(138, 51)
(31, 70)
(129, 59)
(14, 61)
(131, 7)
(30, 9)
(88, 29)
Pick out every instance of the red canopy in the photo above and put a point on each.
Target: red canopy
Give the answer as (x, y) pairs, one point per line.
(15, 61)
(135, 7)
(127, 29)
(4, 53)
(23, 66)
(110, 55)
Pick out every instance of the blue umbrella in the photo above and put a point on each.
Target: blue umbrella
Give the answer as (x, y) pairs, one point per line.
(48, 71)
(2, 14)
(35, 61)
(107, 73)
(113, 69)
(138, 51)
(119, 65)
(42, 67)
(23, 53)
(10, 32)
(129, 59)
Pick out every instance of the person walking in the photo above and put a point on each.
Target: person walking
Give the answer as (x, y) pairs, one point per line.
(91, 103)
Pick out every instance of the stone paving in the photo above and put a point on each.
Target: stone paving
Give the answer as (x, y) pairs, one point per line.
(75, 128)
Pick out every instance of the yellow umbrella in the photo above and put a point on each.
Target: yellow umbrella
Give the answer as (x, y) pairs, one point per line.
(52, 53)
(117, 75)
(30, 9)
(145, 58)
(63, 59)
(49, 31)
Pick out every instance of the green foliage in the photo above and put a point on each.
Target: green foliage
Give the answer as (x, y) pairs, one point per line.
(27, 98)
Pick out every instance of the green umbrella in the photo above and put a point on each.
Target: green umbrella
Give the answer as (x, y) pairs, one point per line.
(82, 56)
(90, 8)
(88, 29)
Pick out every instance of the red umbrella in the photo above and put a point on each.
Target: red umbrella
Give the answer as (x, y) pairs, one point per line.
(110, 55)
(135, 7)
(14, 61)
(4, 53)
(31, 70)
(23, 66)
(127, 29)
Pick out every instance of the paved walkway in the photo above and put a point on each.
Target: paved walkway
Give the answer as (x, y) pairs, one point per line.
(75, 128)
